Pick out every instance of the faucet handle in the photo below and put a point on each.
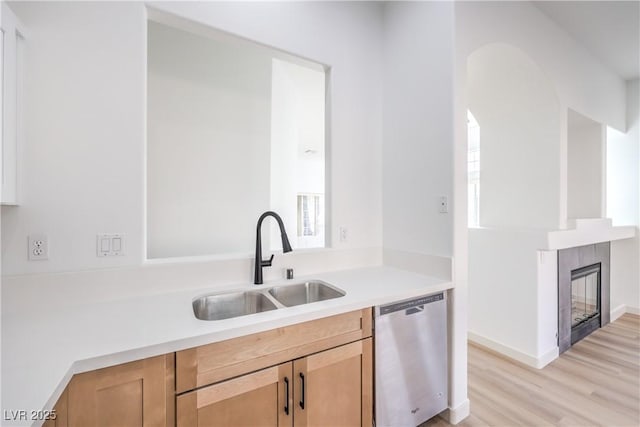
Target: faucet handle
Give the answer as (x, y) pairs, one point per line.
(267, 263)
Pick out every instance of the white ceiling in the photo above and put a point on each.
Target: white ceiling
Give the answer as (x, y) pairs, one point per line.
(610, 30)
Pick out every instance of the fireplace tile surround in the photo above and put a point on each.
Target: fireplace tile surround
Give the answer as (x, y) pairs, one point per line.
(571, 260)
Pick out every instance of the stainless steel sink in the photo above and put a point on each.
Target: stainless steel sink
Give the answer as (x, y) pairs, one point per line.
(305, 293)
(241, 303)
(225, 306)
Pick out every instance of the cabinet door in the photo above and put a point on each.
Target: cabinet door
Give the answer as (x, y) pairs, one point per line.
(139, 393)
(262, 398)
(60, 409)
(334, 387)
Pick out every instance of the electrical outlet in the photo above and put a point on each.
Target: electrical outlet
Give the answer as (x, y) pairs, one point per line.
(343, 233)
(38, 247)
(443, 204)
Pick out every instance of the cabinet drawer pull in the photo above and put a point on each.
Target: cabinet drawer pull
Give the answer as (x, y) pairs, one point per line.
(286, 392)
(302, 390)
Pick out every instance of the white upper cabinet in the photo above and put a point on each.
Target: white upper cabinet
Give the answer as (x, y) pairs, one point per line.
(12, 52)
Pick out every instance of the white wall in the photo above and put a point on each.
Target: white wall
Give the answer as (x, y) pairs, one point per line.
(1, 268)
(519, 117)
(585, 167)
(623, 203)
(208, 143)
(512, 296)
(623, 174)
(84, 122)
(547, 307)
(501, 297)
(417, 149)
(86, 112)
(581, 82)
(418, 160)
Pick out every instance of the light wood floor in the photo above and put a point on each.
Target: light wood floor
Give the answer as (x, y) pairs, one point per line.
(595, 383)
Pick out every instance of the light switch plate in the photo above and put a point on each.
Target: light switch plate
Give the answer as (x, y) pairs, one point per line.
(110, 245)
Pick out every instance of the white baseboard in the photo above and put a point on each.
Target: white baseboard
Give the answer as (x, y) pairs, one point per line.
(632, 310)
(617, 312)
(546, 358)
(457, 414)
(623, 309)
(535, 362)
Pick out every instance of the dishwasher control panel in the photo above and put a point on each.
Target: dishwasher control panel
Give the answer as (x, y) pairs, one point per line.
(404, 305)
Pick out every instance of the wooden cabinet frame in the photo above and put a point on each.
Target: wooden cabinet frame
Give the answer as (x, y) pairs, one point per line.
(208, 364)
(175, 389)
(332, 351)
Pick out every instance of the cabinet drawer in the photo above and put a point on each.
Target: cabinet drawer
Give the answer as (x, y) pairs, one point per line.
(208, 364)
(262, 398)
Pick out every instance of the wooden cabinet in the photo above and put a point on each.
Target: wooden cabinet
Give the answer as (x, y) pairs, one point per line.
(60, 410)
(139, 394)
(330, 388)
(334, 387)
(316, 373)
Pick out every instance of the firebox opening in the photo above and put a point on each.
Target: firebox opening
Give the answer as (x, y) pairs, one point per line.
(585, 301)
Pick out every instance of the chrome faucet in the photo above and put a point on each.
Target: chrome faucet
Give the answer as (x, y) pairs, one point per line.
(286, 247)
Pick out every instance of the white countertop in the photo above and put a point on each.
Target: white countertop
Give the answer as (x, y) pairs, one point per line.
(41, 350)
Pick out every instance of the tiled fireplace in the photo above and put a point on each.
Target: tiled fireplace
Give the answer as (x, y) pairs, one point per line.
(583, 292)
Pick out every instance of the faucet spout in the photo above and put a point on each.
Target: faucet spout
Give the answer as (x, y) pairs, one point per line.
(286, 246)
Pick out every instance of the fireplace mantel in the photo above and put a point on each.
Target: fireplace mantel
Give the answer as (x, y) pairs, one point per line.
(587, 232)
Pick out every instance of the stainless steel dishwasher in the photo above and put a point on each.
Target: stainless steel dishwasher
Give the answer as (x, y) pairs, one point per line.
(411, 381)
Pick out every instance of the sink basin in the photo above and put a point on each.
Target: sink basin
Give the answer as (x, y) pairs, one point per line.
(305, 293)
(233, 304)
(225, 306)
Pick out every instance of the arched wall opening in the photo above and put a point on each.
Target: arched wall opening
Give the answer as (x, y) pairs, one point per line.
(520, 115)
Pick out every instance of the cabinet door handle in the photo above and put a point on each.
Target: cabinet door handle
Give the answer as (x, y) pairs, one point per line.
(302, 390)
(286, 392)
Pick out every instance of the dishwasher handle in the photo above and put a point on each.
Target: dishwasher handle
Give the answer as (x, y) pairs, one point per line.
(414, 310)
(412, 306)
